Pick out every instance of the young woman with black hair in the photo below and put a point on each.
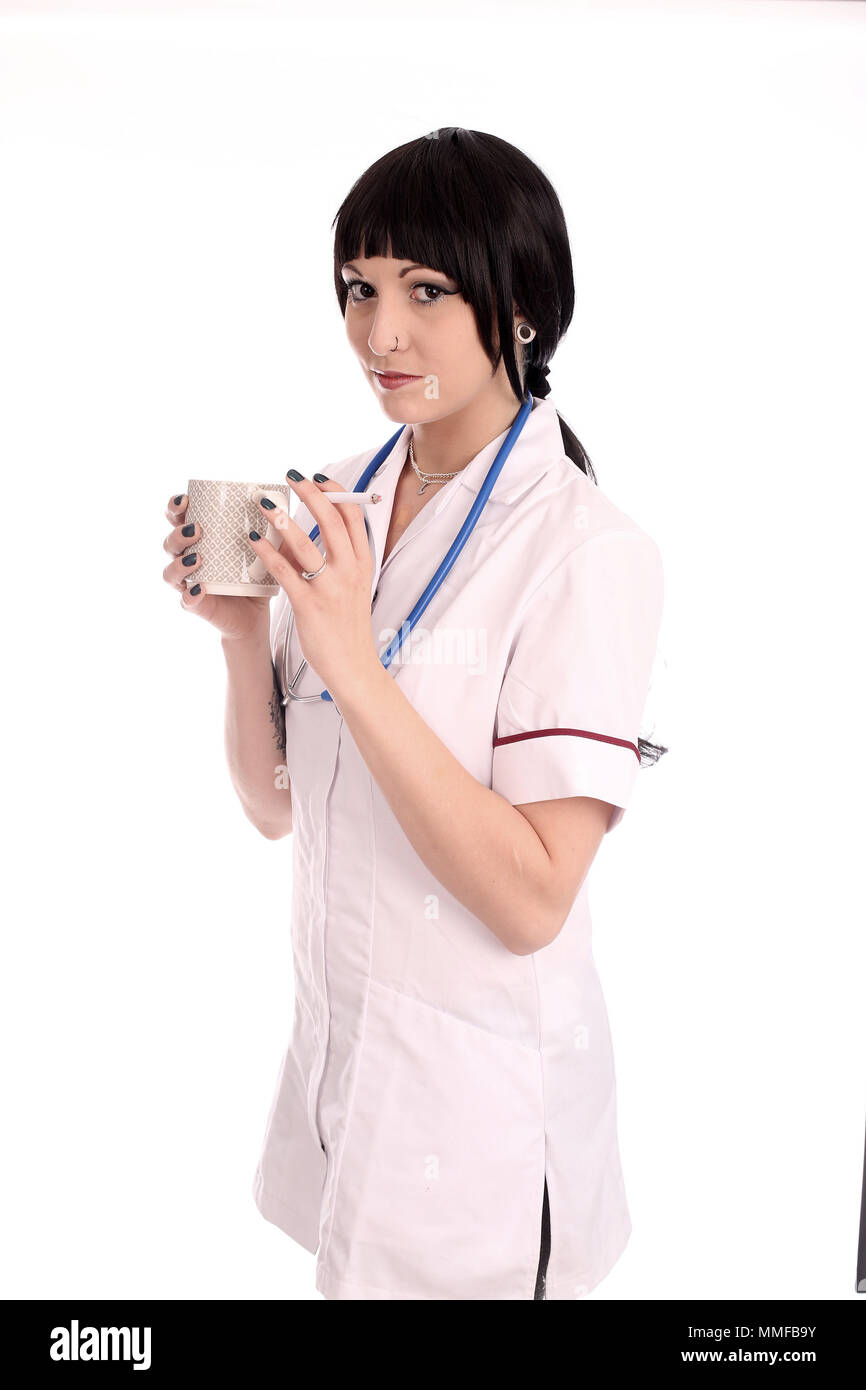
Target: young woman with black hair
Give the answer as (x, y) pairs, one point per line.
(444, 1121)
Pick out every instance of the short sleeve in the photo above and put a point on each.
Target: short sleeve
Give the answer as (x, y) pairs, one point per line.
(578, 675)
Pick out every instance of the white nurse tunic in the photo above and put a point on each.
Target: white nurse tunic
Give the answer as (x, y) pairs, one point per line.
(433, 1078)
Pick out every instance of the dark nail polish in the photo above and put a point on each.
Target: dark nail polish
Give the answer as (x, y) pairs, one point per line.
(189, 530)
(254, 536)
(320, 477)
(196, 589)
(295, 476)
(268, 504)
(190, 559)
(178, 500)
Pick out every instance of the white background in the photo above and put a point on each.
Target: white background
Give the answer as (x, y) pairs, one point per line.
(168, 186)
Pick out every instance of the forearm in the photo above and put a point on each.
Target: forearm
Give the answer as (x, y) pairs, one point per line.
(255, 735)
(470, 838)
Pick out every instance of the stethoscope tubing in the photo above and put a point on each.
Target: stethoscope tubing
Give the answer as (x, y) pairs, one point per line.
(445, 564)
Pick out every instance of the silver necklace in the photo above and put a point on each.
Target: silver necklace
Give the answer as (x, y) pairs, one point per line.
(425, 478)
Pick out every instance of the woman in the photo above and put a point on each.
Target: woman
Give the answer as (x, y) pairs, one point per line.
(443, 1125)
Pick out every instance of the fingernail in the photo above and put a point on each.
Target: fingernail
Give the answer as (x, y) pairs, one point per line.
(189, 530)
(190, 559)
(320, 477)
(267, 503)
(196, 589)
(295, 476)
(178, 500)
(254, 536)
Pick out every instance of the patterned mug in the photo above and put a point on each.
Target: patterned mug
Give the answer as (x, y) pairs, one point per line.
(226, 513)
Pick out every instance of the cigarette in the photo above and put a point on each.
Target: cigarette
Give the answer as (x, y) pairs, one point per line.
(367, 499)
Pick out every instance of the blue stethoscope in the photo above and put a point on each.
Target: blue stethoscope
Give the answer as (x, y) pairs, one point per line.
(457, 545)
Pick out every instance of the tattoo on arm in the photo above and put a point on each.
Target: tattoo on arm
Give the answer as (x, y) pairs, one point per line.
(278, 713)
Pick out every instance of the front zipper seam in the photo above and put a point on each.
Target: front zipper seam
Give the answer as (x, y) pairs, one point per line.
(317, 1084)
(350, 1107)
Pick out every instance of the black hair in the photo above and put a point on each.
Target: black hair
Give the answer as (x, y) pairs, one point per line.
(479, 210)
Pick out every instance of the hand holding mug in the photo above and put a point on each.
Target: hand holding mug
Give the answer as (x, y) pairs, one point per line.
(232, 586)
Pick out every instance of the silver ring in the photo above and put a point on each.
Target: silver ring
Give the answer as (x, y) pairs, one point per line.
(311, 574)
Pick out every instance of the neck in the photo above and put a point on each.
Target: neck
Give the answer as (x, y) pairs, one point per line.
(449, 444)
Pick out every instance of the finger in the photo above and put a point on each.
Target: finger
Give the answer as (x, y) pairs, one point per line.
(282, 569)
(332, 528)
(352, 514)
(180, 570)
(189, 598)
(182, 536)
(176, 509)
(294, 543)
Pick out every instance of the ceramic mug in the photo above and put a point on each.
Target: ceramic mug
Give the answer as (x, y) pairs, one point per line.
(226, 513)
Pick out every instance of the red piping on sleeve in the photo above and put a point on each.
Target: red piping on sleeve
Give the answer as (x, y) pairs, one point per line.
(579, 733)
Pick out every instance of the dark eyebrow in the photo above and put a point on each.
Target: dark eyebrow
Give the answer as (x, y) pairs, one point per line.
(400, 273)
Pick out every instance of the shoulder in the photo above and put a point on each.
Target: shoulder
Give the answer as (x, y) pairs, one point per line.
(581, 526)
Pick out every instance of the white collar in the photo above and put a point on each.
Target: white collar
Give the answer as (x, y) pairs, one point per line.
(537, 447)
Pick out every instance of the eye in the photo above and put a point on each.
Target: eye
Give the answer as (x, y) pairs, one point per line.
(438, 292)
(362, 284)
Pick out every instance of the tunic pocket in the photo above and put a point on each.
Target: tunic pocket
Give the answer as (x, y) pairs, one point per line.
(441, 1162)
